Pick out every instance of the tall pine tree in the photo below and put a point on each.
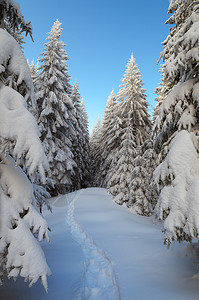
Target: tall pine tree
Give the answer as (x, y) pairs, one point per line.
(20, 223)
(143, 193)
(133, 131)
(176, 126)
(86, 175)
(55, 110)
(95, 150)
(108, 141)
(80, 144)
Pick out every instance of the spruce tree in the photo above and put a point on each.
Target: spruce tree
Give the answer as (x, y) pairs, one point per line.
(80, 144)
(34, 74)
(55, 110)
(132, 133)
(133, 102)
(77, 138)
(84, 114)
(33, 69)
(86, 172)
(108, 141)
(95, 150)
(162, 91)
(143, 193)
(176, 127)
(12, 19)
(21, 224)
(121, 169)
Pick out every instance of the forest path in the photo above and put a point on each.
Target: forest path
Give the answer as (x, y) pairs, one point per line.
(99, 280)
(143, 267)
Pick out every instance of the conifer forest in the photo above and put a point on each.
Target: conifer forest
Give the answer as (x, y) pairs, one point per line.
(147, 164)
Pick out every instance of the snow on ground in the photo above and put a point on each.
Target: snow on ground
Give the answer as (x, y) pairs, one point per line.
(99, 281)
(65, 259)
(101, 251)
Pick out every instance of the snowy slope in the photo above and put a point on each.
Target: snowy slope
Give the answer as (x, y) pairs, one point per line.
(100, 250)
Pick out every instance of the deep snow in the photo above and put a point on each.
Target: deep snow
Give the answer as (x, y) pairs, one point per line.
(96, 242)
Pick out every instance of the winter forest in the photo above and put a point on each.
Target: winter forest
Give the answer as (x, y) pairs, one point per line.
(147, 164)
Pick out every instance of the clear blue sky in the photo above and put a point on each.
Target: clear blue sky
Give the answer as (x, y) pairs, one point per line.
(100, 37)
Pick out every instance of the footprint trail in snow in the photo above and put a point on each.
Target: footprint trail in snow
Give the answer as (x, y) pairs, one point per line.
(99, 282)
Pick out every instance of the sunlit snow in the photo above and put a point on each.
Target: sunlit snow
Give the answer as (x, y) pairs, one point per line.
(140, 266)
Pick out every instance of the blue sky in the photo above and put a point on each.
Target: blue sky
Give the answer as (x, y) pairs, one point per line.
(100, 37)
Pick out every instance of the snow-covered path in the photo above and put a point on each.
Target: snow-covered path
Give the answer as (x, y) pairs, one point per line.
(101, 251)
(144, 267)
(99, 281)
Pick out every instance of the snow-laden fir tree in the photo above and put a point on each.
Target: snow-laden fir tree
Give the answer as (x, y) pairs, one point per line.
(176, 127)
(162, 91)
(86, 174)
(143, 193)
(34, 74)
(55, 110)
(95, 150)
(12, 19)
(40, 191)
(121, 169)
(133, 102)
(34, 70)
(133, 132)
(109, 141)
(80, 143)
(21, 225)
(77, 147)
(84, 114)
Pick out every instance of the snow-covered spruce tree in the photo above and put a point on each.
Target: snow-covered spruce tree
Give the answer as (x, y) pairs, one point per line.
(133, 132)
(77, 147)
(84, 114)
(34, 70)
(143, 193)
(109, 141)
(12, 19)
(40, 192)
(20, 222)
(16, 33)
(80, 143)
(95, 150)
(86, 172)
(34, 74)
(55, 110)
(177, 127)
(162, 91)
(120, 175)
